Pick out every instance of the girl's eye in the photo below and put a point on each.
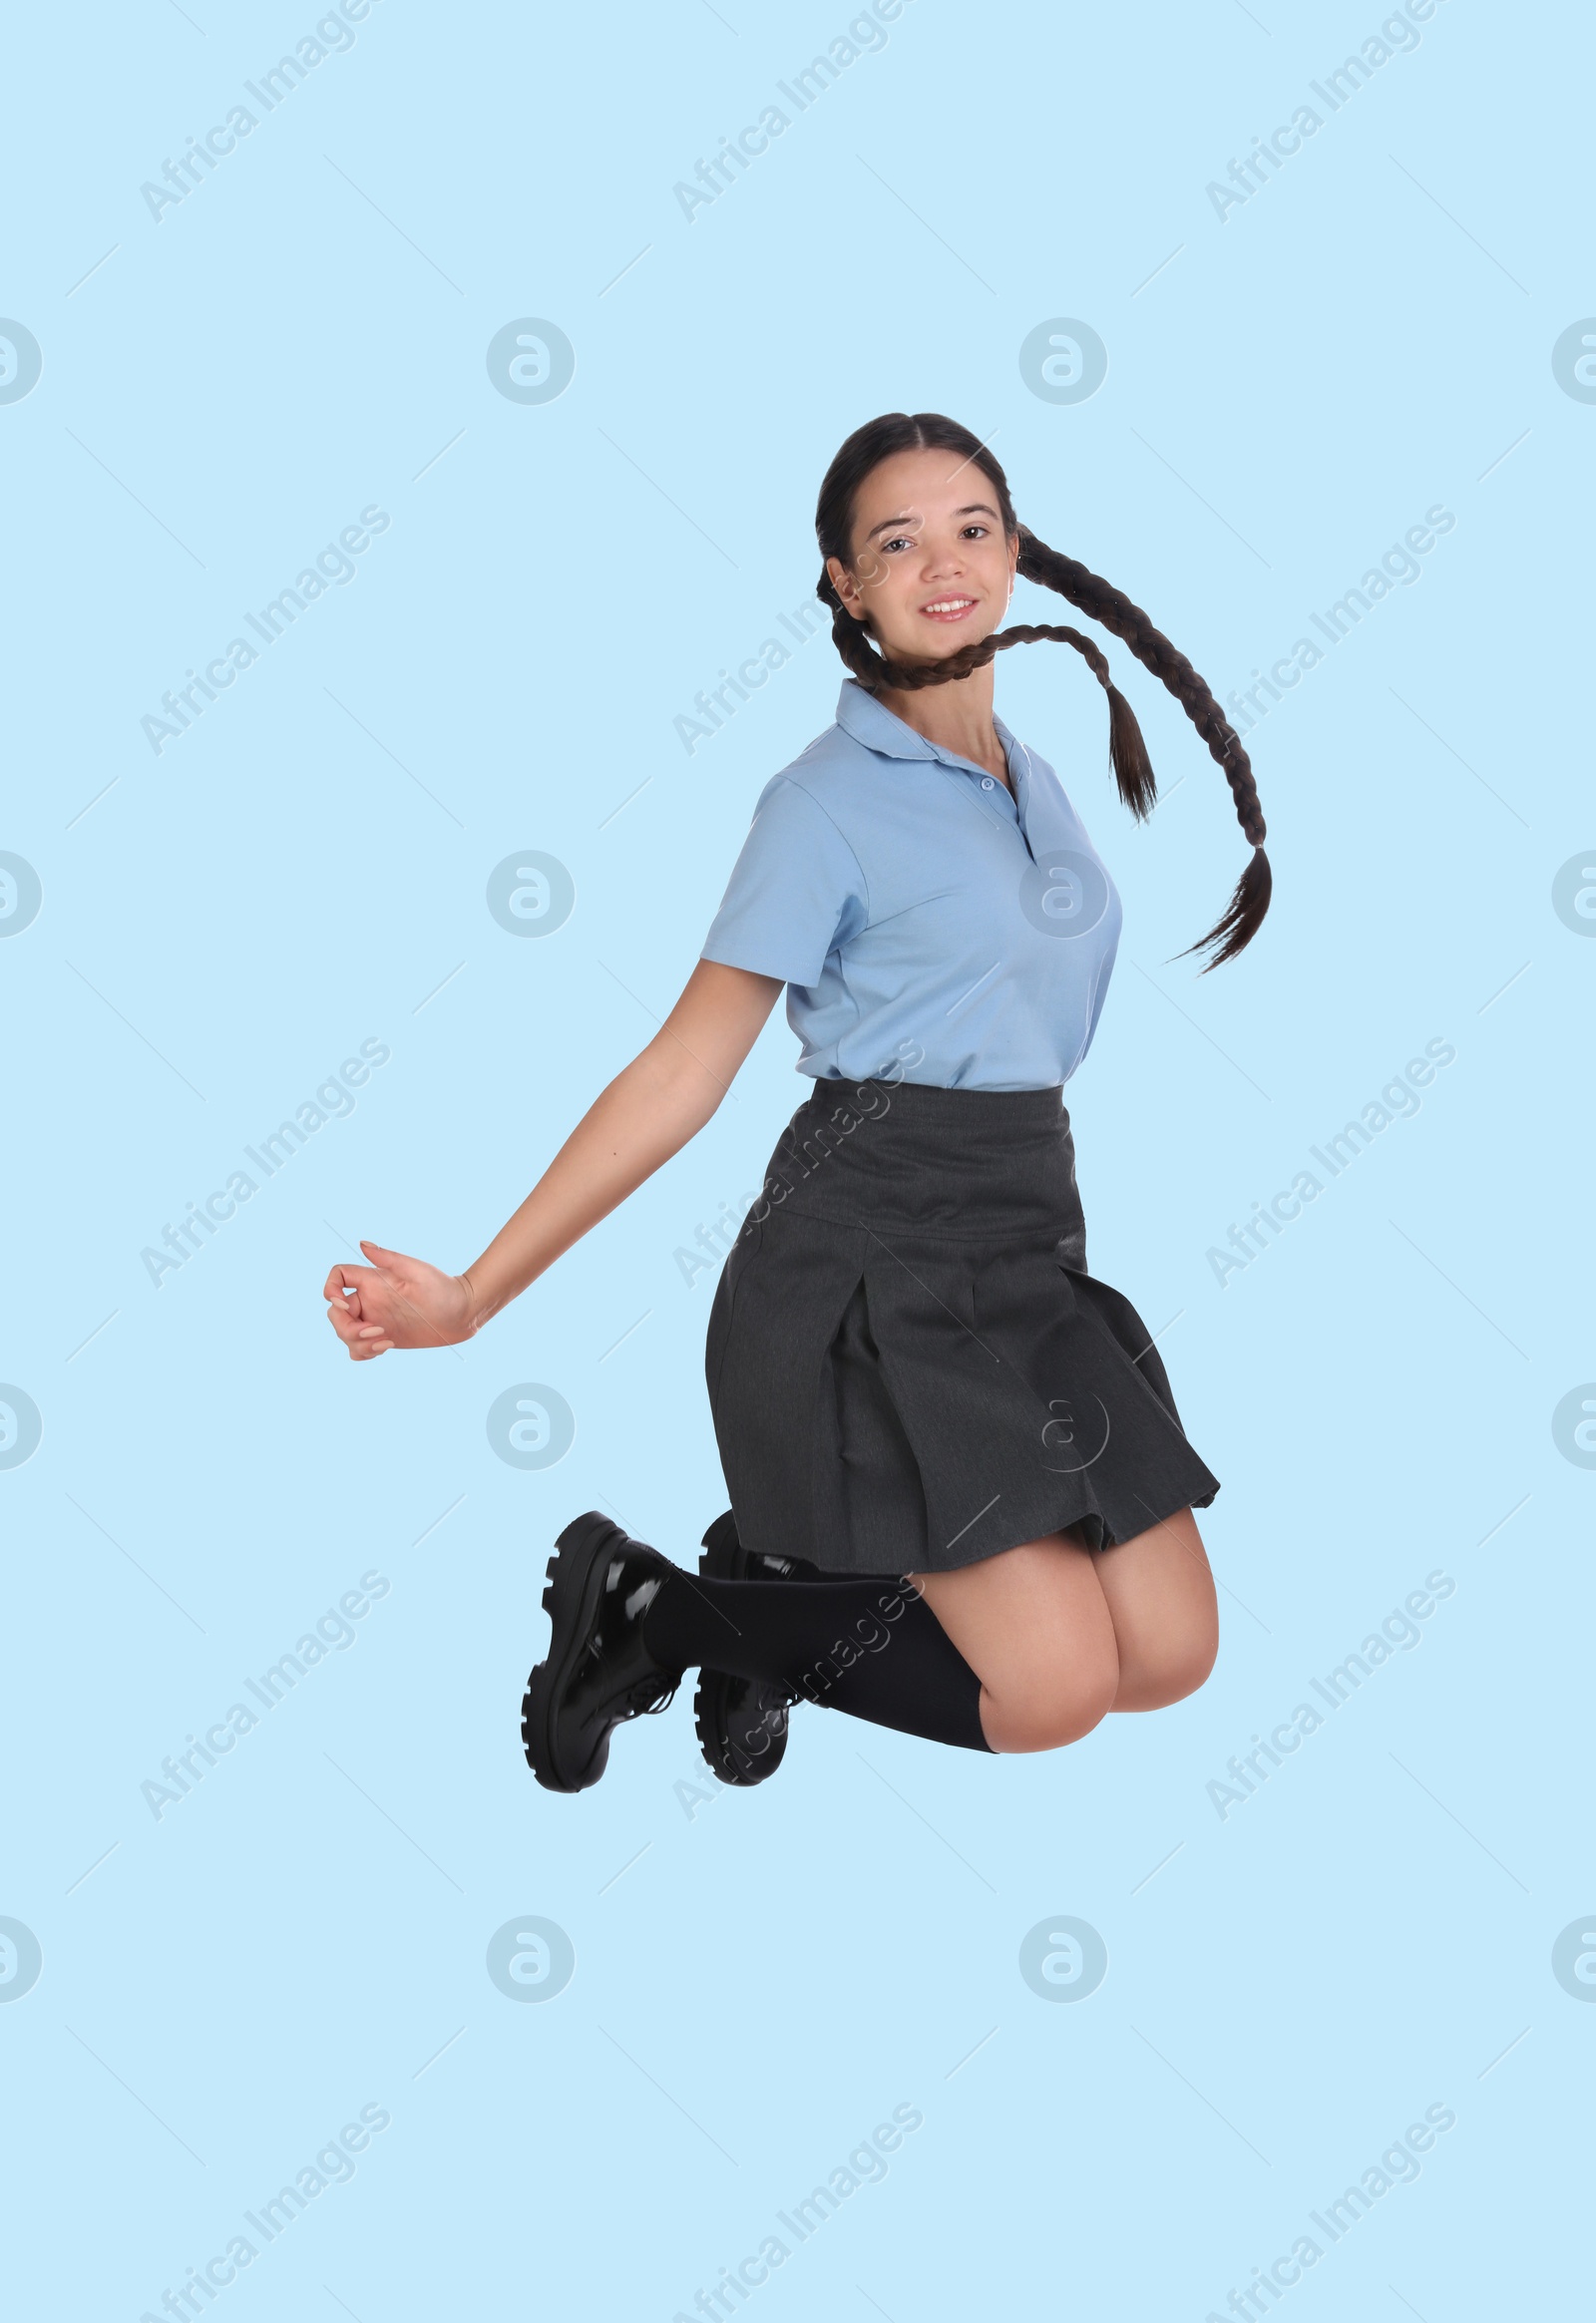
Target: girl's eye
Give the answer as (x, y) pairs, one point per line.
(976, 531)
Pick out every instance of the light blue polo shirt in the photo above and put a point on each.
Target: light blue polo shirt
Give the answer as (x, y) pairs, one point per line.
(926, 923)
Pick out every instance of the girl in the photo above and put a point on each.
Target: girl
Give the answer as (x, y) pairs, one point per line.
(961, 1496)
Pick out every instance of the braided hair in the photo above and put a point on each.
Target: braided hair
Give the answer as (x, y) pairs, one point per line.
(900, 431)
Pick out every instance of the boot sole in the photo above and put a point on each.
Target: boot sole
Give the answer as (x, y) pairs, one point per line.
(575, 1574)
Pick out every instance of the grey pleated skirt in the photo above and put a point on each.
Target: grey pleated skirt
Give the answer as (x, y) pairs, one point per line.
(909, 1366)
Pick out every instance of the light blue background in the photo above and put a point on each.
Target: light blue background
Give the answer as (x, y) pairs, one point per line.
(761, 1979)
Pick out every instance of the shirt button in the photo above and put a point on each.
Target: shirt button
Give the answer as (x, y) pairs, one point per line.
(987, 783)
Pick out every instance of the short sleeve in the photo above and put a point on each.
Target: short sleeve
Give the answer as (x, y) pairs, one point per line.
(796, 890)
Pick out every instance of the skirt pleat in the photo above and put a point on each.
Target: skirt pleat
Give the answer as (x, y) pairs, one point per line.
(890, 1396)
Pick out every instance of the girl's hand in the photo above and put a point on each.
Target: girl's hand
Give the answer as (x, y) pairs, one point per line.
(397, 1301)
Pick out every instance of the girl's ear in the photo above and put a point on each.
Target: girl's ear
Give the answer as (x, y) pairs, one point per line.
(843, 582)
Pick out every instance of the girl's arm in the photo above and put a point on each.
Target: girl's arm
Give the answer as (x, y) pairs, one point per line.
(647, 1113)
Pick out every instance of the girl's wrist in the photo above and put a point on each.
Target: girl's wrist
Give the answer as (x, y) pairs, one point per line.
(478, 1310)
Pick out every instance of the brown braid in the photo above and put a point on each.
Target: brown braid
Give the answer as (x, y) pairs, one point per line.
(1127, 751)
(1096, 598)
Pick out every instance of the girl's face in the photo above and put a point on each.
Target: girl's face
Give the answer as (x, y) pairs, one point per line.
(930, 566)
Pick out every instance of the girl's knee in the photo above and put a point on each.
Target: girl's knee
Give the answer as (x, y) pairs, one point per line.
(1047, 1711)
(1178, 1669)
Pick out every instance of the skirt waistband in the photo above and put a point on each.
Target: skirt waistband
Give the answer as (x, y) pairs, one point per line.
(908, 1160)
(927, 1104)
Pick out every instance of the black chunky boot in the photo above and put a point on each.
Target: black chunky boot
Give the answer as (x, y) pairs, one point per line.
(599, 1672)
(742, 1721)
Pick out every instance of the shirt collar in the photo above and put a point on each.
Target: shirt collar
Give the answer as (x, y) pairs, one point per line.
(868, 721)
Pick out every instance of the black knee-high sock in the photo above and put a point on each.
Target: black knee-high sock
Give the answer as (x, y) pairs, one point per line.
(872, 1648)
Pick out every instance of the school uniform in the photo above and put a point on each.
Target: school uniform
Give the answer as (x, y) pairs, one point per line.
(910, 1367)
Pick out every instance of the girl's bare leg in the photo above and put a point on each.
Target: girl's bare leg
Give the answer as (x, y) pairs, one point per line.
(1060, 1636)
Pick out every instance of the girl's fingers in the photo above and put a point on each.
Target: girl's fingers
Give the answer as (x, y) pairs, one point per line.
(349, 1293)
(360, 1337)
(341, 1279)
